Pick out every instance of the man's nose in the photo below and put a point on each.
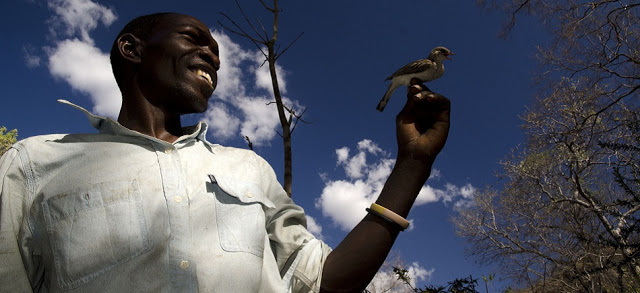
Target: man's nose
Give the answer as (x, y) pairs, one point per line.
(210, 57)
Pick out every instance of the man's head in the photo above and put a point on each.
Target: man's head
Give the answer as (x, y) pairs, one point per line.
(140, 27)
(168, 59)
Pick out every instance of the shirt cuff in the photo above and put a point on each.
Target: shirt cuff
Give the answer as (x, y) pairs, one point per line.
(305, 273)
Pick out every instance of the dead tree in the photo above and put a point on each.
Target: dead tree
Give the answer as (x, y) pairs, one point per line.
(267, 43)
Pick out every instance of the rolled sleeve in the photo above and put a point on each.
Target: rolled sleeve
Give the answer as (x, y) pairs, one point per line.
(300, 256)
(307, 271)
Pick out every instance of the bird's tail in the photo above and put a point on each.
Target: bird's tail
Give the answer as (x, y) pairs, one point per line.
(387, 95)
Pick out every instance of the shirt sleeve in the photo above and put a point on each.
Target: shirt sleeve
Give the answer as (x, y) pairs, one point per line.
(300, 256)
(13, 191)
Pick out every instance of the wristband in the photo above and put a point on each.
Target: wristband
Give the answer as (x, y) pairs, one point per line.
(397, 219)
(370, 211)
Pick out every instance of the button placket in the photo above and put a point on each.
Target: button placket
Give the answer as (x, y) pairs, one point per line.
(179, 246)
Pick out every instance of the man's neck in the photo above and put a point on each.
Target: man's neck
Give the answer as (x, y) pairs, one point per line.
(150, 120)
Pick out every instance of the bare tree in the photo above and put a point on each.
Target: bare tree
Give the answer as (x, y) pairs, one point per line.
(566, 218)
(267, 43)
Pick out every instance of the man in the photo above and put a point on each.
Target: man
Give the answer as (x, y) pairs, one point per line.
(146, 205)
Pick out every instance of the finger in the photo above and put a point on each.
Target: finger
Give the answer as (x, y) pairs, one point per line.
(415, 84)
(417, 94)
(433, 102)
(434, 109)
(427, 109)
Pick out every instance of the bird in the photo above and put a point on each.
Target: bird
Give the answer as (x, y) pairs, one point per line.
(423, 69)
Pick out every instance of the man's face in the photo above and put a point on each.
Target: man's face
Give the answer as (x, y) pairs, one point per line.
(178, 65)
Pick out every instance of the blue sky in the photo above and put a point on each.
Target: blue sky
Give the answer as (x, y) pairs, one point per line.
(57, 49)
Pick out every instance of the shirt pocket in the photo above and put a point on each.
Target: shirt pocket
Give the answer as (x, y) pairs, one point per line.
(240, 217)
(91, 230)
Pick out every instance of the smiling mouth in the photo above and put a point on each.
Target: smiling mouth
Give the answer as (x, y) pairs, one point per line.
(204, 75)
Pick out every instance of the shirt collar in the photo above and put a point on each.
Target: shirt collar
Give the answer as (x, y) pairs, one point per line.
(109, 126)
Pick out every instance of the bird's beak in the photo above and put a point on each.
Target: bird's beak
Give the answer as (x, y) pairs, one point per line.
(447, 56)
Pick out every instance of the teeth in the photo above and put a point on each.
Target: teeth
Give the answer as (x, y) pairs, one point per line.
(206, 76)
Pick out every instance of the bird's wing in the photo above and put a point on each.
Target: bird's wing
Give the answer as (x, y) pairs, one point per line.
(414, 67)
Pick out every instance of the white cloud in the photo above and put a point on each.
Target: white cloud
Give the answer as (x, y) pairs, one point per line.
(467, 192)
(380, 171)
(343, 154)
(458, 195)
(354, 167)
(225, 125)
(260, 119)
(78, 17)
(240, 71)
(76, 60)
(344, 200)
(357, 164)
(314, 228)
(369, 146)
(418, 274)
(31, 58)
(263, 76)
(231, 81)
(435, 174)
(426, 195)
(86, 69)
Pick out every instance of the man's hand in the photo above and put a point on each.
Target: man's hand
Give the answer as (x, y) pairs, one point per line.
(422, 129)
(422, 126)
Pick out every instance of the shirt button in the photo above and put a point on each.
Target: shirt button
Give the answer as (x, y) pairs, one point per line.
(168, 150)
(184, 264)
(249, 194)
(177, 199)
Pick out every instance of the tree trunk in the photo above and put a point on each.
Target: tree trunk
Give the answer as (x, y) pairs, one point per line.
(284, 122)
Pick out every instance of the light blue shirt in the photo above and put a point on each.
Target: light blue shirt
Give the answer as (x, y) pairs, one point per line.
(120, 211)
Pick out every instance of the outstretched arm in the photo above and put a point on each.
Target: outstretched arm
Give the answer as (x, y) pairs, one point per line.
(422, 128)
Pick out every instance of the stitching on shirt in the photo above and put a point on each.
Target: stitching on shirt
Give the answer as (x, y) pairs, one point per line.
(227, 223)
(27, 168)
(73, 279)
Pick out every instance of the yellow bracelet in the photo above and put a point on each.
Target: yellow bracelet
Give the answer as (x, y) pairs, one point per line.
(402, 222)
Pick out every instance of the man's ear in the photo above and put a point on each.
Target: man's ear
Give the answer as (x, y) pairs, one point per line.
(130, 47)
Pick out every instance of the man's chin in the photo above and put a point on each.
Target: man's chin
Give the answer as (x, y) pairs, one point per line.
(194, 106)
(207, 92)
(202, 109)
(200, 106)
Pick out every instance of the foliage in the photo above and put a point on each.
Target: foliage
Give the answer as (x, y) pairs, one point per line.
(567, 218)
(386, 280)
(399, 277)
(462, 285)
(7, 139)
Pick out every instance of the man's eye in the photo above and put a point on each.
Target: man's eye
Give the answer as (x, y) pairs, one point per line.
(191, 38)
